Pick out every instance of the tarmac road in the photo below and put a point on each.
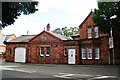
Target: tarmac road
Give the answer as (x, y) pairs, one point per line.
(59, 72)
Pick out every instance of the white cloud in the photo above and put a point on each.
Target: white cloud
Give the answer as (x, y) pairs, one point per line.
(66, 13)
(77, 10)
(72, 6)
(21, 26)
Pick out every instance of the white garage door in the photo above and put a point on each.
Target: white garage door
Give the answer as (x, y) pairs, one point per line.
(20, 54)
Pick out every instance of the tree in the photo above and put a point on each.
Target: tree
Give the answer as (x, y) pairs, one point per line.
(103, 16)
(66, 31)
(108, 16)
(12, 10)
(57, 31)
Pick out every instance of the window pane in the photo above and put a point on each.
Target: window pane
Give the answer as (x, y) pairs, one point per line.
(96, 32)
(41, 51)
(89, 53)
(96, 29)
(83, 53)
(47, 51)
(89, 32)
(96, 53)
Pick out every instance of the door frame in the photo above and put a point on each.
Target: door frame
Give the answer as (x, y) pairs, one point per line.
(20, 53)
(73, 55)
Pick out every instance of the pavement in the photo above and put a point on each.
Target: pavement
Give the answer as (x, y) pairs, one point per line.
(53, 65)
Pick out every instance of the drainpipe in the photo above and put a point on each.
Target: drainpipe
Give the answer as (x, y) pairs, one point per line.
(112, 46)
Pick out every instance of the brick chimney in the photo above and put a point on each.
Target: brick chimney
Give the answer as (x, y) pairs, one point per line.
(48, 27)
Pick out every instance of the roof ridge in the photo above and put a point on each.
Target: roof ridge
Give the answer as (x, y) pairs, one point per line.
(28, 35)
(23, 38)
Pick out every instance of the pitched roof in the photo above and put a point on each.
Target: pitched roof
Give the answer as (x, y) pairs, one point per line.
(23, 38)
(59, 36)
(8, 37)
(85, 19)
(27, 38)
(4, 38)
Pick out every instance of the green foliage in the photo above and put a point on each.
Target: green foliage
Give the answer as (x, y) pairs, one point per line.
(58, 31)
(67, 31)
(4, 54)
(102, 16)
(11, 11)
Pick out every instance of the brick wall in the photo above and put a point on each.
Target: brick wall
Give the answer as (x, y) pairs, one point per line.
(12, 47)
(56, 54)
(100, 42)
(56, 49)
(33, 50)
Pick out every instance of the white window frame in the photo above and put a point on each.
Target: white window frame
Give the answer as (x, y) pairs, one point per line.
(89, 32)
(65, 51)
(41, 51)
(89, 53)
(46, 51)
(83, 53)
(96, 32)
(97, 52)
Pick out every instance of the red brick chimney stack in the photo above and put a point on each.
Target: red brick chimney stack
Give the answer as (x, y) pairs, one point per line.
(48, 27)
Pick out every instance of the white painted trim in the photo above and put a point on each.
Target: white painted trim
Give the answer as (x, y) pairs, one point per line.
(98, 53)
(72, 60)
(90, 49)
(82, 53)
(40, 51)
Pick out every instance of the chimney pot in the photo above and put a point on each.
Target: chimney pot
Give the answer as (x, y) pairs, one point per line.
(48, 27)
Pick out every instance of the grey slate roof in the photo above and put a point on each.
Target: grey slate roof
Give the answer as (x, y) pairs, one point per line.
(23, 38)
(27, 38)
(4, 38)
(8, 36)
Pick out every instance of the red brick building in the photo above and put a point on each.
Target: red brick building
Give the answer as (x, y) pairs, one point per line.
(44, 48)
(89, 47)
(93, 45)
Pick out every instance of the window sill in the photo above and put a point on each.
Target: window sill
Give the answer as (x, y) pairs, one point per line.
(83, 58)
(97, 59)
(41, 55)
(47, 55)
(90, 59)
(89, 37)
(96, 37)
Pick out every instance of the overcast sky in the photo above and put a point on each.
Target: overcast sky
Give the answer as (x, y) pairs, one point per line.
(59, 13)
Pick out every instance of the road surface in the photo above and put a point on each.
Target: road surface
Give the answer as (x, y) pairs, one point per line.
(60, 72)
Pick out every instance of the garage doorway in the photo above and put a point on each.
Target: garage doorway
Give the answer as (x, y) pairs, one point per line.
(20, 54)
